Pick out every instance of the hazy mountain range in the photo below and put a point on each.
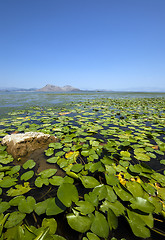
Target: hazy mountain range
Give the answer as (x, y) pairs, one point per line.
(68, 88)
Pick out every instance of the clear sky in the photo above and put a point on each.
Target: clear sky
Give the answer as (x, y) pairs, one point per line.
(89, 44)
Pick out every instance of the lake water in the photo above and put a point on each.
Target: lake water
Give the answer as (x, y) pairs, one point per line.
(15, 100)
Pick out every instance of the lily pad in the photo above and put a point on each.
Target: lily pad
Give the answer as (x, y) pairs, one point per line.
(14, 219)
(100, 225)
(79, 223)
(67, 193)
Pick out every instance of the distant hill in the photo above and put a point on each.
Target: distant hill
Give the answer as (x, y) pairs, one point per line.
(52, 88)
(14, 89)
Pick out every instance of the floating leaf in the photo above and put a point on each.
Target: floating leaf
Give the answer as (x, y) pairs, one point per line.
(56, 180)
(47, 173)
(78, 223)
(67, 193)
(19, 189)
(112, 220)
(4, 206)
(142, 205)
(14, 219)
(92, 236)
(51, 223)
(27, 205)
(89, 182)
(7, 182)
(49, 152)
(29, 164)
(15, 201)
(85, 207)
(142, 157)
(54, 207)
(137, 225)
(27, 175)
(100, 225)
(135, 188)
(39, 182)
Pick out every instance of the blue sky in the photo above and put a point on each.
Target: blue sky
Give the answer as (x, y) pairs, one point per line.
(89, 44)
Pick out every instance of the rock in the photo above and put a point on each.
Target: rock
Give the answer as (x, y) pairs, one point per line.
(21, 144)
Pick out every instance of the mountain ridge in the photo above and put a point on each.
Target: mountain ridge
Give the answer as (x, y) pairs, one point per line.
(53, 88)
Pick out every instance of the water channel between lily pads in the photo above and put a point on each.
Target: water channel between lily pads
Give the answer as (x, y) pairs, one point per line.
(107, 167)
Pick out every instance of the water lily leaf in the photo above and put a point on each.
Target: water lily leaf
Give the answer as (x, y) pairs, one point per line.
(116, 207)
(56, 145)
(27, 175)
(14, 201)
(4, 206)
(125, 154)
(92, 198)
(77, 168)
(52, 159)
(14, 170)
(67, 193)
(122, 193)
(85, 207)
(72, 155)
(160, 178)
(142, 204)
(14, 219)
(39, 182)
(27, 205)
(56, 180)
(85, 153)
(162, 161)
(161, 193)
(47, 173)
(112, 220)
(49, 152)
(135, 188)
(54, 207)
(7, 182)
(78, 223)
(40, 207)
(19, 190)
(111, 179)
(92, 236)
(51, 223)
(157, 204)
(100, 225)
(142, 157)
(137, 225)
(29, 164)
(89, 182)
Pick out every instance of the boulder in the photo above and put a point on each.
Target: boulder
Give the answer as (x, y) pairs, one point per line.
(21, 144)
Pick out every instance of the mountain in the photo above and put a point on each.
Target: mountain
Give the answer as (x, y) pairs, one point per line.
(52, 88)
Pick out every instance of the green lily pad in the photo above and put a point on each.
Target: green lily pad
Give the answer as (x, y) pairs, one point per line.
(67, 193)
(49, 152)
(39, 182)
(100, 225)
(19, 190)
(85, 207)
(29, 164)
(142, 205)
(135, 188)
(14, 219)
(4, 206)
(14, 201)
(51, 223)
(54, 207)
(79, 223)
(142, 157)
(27, 175)
(137, 225)
(7, 182)
(92, 236)
(47, 173)
(112, 220)
(89, 182)
(27, 205)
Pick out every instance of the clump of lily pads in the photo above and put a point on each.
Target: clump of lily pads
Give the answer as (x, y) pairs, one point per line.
(112, 154)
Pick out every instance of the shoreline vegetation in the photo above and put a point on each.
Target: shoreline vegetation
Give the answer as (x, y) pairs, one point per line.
(106, 174)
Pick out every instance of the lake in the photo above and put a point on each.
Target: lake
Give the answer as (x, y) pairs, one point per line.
(19, 100)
